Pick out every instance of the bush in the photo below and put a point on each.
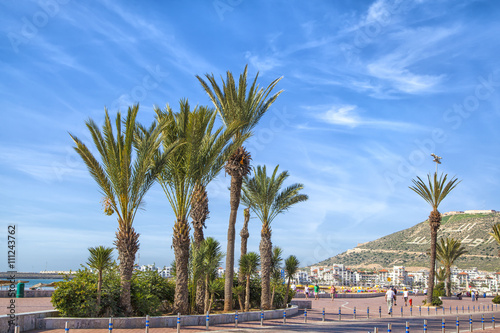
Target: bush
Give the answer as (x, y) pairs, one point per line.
(150, 294)
(436, 301)
(78, 297)
(439, 290)
(496, 299)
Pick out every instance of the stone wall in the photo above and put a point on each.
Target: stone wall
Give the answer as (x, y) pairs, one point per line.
(159, 322)
(29, 293)
(26, 321)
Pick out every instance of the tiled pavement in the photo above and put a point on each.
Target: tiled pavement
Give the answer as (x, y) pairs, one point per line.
(331, 323)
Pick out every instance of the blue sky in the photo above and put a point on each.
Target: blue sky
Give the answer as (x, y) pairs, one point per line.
(371, 88)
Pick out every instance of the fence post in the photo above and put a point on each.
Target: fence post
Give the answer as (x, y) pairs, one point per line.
(305, 315)
(368, 312)
(66, 329)
(482, 322)
(436, 308)
(380, 312)
(456, 309)
(236, 319)
(261, 317)
(401, 311)
(147, 323)
(411, 311)
(463, 310)
(443, 310)
(468, 308)
(407, 327)
(323, 314)
(375, 329)
(354, 313)
(420, 310)
(493, 320)
(284, 317)
(208, 320)
(458, 326)
(178, 322)
(340, 314)
(425, 325)
(470, 324)
(443, 326)
(110, 325)
(428, 311)
(389, 328)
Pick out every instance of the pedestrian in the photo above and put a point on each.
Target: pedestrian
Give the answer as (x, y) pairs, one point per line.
(477, 295)
(316, 291)
(472, 295)
(395, 293)
(389, 298)
(405, 296)
(333, 291)
(306, 291)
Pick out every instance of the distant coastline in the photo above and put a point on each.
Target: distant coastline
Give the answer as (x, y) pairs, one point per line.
(31, 275)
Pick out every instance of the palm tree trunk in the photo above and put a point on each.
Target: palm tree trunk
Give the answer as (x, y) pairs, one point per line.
(247, 294)
(180, 242)
(434, 221)
(272, 296)
(244, 240)
(448, 281)
(207, 295)
(127, 244)
(99, 287)
(235, 194)
(199, 214)
(287, 291)
(265, 254)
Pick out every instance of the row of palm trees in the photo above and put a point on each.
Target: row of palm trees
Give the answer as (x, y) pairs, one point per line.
(183, 151)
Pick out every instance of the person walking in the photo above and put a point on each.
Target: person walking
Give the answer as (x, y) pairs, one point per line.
(472, 295)
(306, 290)
(405, 296)
(316, 291)
(389, 298)
(333, 291)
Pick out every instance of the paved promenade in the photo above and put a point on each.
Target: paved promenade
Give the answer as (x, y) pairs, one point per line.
(347, 322)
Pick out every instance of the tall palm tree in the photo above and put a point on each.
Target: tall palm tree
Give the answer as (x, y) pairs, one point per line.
(124, 177)
(100, 259)
(267, 200)
(249, 264)
(495, 232)
(433, 192)
(185, 177)
(276, 260)
(214, 148)
(291, 268)
(235, 104)
(447, 252)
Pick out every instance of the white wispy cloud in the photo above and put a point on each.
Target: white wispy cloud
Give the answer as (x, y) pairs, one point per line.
(347, 115)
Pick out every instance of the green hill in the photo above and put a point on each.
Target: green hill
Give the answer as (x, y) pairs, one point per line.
(408, 247)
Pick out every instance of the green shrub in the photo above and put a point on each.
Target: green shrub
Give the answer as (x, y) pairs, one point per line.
(439, 290)
(496, 299)
(436, 301)
(77, 297)
(150, 294)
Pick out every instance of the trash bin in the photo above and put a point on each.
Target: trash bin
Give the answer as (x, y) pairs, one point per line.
(20, 290)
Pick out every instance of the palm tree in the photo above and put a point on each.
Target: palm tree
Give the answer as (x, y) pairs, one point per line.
(185, 177)
(124, 177)
(100, 259)
(495, 232)
(249, 264)
(291, 268)
(276, 260)
(447, 252)
(433, 192)
(267, 200)
(235, 105)
(212, 257)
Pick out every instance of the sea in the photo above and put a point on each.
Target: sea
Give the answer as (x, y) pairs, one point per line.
(32, 282)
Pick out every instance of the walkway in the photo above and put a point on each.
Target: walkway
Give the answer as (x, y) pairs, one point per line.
(347, 322)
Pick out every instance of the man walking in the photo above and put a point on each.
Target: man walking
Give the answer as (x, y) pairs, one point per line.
(389, 298)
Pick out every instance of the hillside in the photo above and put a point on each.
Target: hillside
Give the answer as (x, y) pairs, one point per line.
(408, 247)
